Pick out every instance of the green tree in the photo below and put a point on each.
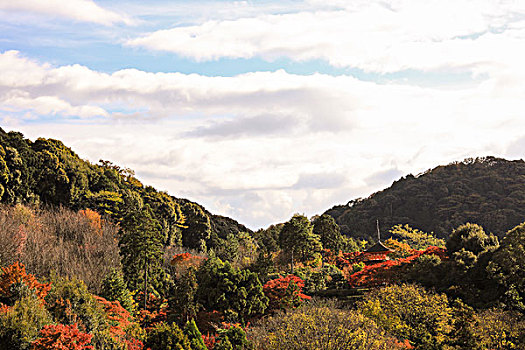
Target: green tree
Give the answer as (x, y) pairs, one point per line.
(329, 232)
(194, 336)
(70, 302)
(198, 228)
(507, 268)
(181, 300)
(466, 244)
(167, 337)
(141, 249)
(410, 312)
(19, 325)
(236, 293)
(114, 288)
(298, 240)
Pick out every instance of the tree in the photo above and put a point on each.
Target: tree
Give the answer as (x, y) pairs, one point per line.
(285, 292)
(298, 240)
(194, 336)
(19, 324)
(167, 337)
(507, 266)
(141, 244)
(114, 288)
(329, 232)
(466, 244)
(321, 326)
(410, 312)
(62, 337)
(236, 293)
(198, 228)
(181, 300)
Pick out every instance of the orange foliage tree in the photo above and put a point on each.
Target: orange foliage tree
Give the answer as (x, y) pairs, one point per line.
(54, 337)
(95, 221)
(120, 322)
(16, 273)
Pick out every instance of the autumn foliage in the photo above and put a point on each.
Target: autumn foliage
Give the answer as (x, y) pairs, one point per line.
(285, 292)
(16, 273)
(385, 271)
(62, 337)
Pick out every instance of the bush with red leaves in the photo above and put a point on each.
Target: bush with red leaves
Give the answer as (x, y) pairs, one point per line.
(285, 292)
(53, 337)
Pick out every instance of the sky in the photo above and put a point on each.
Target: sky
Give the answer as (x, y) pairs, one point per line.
(262, 109)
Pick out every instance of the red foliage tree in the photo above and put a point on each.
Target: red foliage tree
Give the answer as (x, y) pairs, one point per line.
(285, 292)
(61, 337)
(385, 271)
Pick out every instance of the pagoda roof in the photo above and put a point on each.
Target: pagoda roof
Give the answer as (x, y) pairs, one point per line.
(378, 248)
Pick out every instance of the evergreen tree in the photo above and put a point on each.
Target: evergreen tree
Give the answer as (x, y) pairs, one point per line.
(329, 232)
(114, 288)
(236, 293)
(141, 244)
(298, 240)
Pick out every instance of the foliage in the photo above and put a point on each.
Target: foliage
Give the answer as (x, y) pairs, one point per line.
(313, 327)
(297, 239)
(236, 293)
(121, 329)
(489, 191)
(410, 312)
(114, 288)
(141, 251)
(14, 275)
(70, 302)
(194, 336)
(62, 337)
(415, 238)
(167, 337)
(468, 242)
(285, 292)
(498, 329)
(20, 323)
(232, 337)
(507, 268)
(181, 300)
(329, 232)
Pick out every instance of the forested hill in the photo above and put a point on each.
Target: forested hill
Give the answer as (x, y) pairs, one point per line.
(46, 172)
(488, 191)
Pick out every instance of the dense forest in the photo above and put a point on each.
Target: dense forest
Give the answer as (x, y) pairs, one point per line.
(93, 259)
(488, 191)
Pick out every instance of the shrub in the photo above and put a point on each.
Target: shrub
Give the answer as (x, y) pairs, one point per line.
(167, 337)
(20, 323)
(321, 326)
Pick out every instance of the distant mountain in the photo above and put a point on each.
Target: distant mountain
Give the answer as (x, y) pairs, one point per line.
(46, 172)
(488, 191)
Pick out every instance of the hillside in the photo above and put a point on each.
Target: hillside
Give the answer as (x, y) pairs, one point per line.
(46, 172)
(488, 191)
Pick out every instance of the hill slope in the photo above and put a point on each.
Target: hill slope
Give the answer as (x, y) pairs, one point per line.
(488, 191)
(46, 172)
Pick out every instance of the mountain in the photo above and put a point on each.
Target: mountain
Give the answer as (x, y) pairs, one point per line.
(488, 191)
(46, 172)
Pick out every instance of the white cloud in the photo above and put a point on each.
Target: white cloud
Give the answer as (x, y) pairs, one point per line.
(375, 36)
(77, 10)
(215, 139)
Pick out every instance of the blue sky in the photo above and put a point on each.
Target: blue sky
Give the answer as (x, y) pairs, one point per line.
(260, 109)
